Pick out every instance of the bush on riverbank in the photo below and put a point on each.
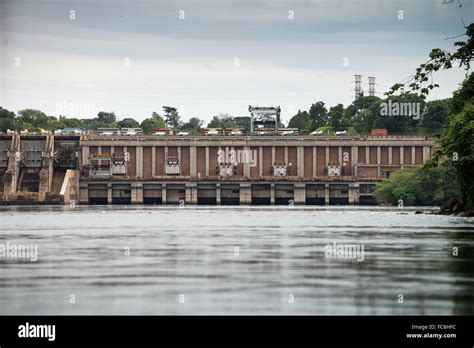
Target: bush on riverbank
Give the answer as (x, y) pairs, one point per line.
(427, 185)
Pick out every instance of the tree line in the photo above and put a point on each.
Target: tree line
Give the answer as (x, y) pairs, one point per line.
(449, 174)
(366, 113)
(360, 117)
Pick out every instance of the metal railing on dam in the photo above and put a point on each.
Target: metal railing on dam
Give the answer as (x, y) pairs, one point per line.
(255, 140)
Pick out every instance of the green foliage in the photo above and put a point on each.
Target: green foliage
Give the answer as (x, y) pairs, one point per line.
(301, 121)
(222, 121)
(107, 119)
(32, 119)
(326, 130)
(155, 121)
(318, 115)
(7, 120)
(193, 126)
(465, 94)
(128, 123)
(456, 143)
(336, 117)
(71, 122)
(422, 81)
(400, 123)
(427, 185)
(436, 115)
(172, 118)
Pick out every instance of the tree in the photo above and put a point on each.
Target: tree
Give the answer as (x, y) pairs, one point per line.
(436, 115)
(222, 121)
(71, 122)
(363, 121)
(456, 144)
(336, 117)
(401, 121)
(7, 120)
(155, 121)
(172, 118)
(422, 81)
(464, 95)
(193, 126)
(318, 115)
(106, 118)
(425, 185)
(456, 141)
(301, 121)
(128, 123)
(30, 118)
(363, 103)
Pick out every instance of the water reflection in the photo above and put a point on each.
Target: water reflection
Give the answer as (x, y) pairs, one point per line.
(236, 260)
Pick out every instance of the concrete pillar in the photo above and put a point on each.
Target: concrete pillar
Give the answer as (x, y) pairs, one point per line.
(378, 160)
(218, 194)
(412, 155)
(207, 161)
(390, 154)
(99, 152)
(190, 193)
(85, 155)
(315, 161)
(260, 161)
(354, 159)
(367, 155)
(247, 163)
(327, 156)
(139, 158)
(109, 194)
(245, 194)
(426, 153)
(285, 156)
(192, 161)
(326, 194)
(125, 150)
(272, 194)
(137, 192)
(354, 193)
(163, 193)
(83, 193)
(339, 155)
(299, 193)
(300, 160)
(273, 155)
(402, 156)
(153, 161)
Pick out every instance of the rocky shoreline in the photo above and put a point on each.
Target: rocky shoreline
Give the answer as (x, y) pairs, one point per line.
(453, 207)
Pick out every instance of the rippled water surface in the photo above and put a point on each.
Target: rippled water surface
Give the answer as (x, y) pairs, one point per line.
(235, 260)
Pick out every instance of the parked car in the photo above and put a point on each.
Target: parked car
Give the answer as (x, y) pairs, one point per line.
(341, 132)
(317, 133)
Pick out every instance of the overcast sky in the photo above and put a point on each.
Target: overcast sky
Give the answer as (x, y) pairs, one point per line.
(210, 57)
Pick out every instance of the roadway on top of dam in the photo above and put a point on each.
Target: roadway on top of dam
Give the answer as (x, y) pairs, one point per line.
(176, 140)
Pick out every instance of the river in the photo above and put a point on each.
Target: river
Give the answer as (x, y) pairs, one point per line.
(236, 260)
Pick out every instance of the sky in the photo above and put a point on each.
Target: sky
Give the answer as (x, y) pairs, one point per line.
(77, 58)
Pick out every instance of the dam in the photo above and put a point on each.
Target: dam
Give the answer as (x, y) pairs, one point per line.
(204, 170)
